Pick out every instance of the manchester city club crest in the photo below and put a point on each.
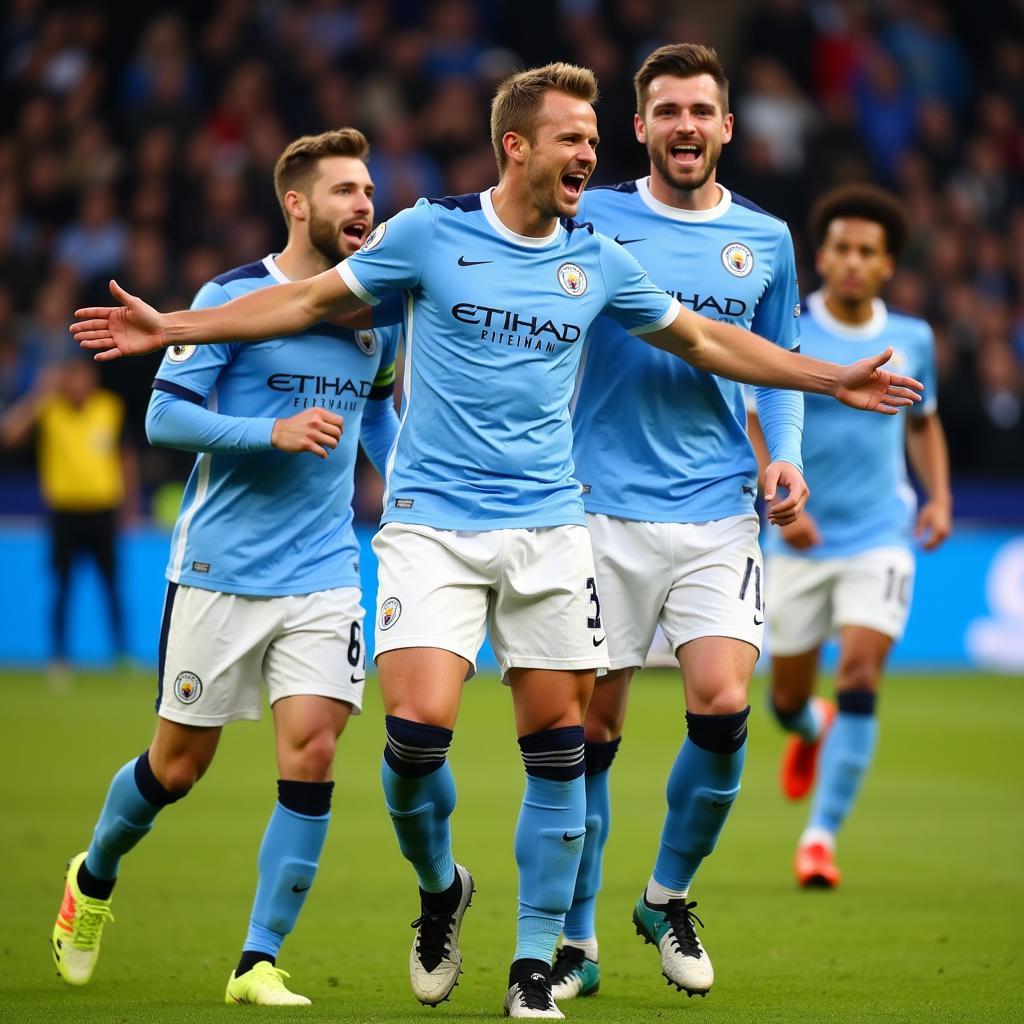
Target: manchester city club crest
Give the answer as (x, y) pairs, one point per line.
(737, 259)
(179, 353)
(390, 610)
(572, 279)
(367, 342)
(188, 687)
(374, 238)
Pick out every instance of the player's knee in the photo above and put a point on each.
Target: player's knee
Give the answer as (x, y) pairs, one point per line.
(727, 699)
(313, 759)
(167, 781)
(858, 672)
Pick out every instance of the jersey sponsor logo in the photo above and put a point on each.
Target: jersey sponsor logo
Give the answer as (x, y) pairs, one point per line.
(506, 325)
(728, 306)
(179, 353)
(188, 687)
(374, 238)
(367, 342)
(314, 384)
(572, 278)
(463, 262)
(737, 259)
(390, 611)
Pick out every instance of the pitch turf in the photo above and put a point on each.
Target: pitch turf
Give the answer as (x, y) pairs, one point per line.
(927, 926)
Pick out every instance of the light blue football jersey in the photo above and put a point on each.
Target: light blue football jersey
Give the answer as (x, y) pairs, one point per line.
(855, 462)
(259, 521)
(656, 439)
(494, 326)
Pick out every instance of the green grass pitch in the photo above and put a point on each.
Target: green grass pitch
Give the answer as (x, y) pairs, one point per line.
(926, 927)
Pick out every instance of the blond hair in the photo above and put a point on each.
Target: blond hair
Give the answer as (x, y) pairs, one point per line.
(296, 166)
(519, 98)
(684, 60)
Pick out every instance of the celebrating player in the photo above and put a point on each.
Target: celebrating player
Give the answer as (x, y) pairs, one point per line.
(669, 480)
(846, 566)
(263, 578)
(483, 523)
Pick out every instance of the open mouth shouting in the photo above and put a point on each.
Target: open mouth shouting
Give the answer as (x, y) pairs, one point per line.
(356, 231)
(572, 184)
(686, 154)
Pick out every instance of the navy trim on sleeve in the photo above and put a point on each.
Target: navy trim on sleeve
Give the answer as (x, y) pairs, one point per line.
(252, 271)
(178, 391)
(749, 205)
(467, 203)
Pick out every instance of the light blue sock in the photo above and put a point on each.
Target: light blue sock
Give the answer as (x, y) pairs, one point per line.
(419, 790)
(549, 837)
(134, 799)
(579, 921)
(845, 757)
(703, 783)
(288, 860)
(805, 722)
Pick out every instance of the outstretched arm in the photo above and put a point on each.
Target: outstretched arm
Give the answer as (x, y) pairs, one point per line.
(733, 352)
(135, 328)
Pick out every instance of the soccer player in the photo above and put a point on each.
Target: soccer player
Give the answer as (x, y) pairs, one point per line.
(669, 480)
(263, 577)
(846, 566)
(483, 523)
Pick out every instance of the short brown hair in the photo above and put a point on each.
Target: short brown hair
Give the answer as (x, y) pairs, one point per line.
(865, 202)
(515, 104)
(684, 60)
(295, 166)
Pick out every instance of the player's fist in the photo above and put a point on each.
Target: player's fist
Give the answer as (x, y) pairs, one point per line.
(802, 534)
(864, 385)
(783, 511)
(934, 524)
(314, 430)
(131, 329)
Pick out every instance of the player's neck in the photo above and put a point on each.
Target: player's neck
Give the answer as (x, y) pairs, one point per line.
(298, 261)
(704, 198)
(518, 213)
(854, 312)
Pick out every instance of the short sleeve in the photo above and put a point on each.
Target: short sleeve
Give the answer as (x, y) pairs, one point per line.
(925, 372)
(392, 257)
(634, 302)
(190, 371)
(777, 316)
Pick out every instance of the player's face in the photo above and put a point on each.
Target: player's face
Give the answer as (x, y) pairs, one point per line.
(853, 261)
(563, 154)
(340, 207)
(684, 129)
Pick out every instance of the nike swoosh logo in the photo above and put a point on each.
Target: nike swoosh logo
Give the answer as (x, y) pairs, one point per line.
(355, 679)
(305, 888)
(566, 838)
(628, 241)
(597, 643)
(463, 262)
(758, 622)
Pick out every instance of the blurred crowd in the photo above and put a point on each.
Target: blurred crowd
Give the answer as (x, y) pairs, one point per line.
(141, 144)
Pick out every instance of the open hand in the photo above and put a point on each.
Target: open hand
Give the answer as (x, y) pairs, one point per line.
(783, 511)
(314, 430)
(863, 385)
(131, 329)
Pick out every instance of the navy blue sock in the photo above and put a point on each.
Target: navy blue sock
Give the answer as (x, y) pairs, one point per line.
(846, 756)
(288, 860)
(420, 794)
(549, 837)
(134, 799)
(703, 783)
(804, 721)
(579, 921)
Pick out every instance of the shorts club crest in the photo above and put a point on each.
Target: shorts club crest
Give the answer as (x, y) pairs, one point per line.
(390, 610)
(188, 687)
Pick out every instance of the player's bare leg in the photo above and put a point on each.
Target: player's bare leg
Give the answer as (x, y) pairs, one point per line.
(174, 762)
(422, 687)
(307, 728)
(549, 709)
(575, 971)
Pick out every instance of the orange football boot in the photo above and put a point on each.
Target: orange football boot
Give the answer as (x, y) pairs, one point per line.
(800, 758)
(815, 867)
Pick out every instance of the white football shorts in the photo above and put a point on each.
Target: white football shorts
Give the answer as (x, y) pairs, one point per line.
(534, 589)
(692, 579)
(809, 599)
(217, 650)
